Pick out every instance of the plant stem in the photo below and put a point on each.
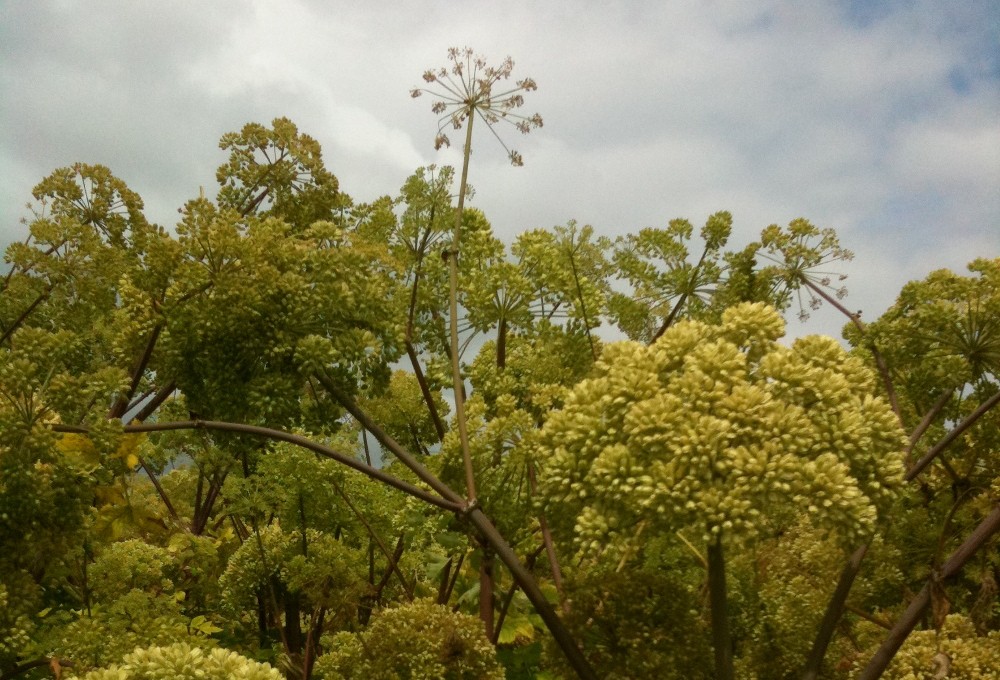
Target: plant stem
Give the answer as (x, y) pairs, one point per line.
(448, 500)
(579, 294)
(452, 499)
(487, 603)
(721, 640)
(834, 610)
(527, 583)
(24, 315)
(425, 390)
(925, 422)
(456, 369)
(298, 440)
(120, 406)
(669, 321)
(550, 548)
(411, 350)
(407, 588)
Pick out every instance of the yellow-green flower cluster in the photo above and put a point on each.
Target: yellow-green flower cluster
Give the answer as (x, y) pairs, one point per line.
(183, 662)
(129, 565)
(15, 629)
(721, 429)
(421, 640)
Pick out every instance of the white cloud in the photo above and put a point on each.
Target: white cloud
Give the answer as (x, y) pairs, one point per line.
(881, 126)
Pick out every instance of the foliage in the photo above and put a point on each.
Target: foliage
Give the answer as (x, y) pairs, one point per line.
(640, 616)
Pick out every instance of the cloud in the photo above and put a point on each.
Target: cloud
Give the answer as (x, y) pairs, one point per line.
(881, 124)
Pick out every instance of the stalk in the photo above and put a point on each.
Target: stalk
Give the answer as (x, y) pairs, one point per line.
(834, 610)
(919, 466)
(456, 369)
(721, 640)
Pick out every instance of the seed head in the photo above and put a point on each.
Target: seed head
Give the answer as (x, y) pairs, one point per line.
(468, 87)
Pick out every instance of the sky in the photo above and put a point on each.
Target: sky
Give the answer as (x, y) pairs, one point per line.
(878, 119)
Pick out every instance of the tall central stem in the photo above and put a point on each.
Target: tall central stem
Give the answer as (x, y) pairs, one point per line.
(456, 369)
(721, 640)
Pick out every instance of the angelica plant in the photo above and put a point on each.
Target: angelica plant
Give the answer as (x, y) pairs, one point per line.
(463, 91)
(721, 432)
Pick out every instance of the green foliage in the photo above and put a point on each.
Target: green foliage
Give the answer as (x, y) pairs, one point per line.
(640, 616)
(16, 627)
(779, 593)
(272, 306)
(317, 566)
(655, 264)
(403, 413)
(664, 285)
(942, 332)
(800, 255)
(278, 172)
(106, 633)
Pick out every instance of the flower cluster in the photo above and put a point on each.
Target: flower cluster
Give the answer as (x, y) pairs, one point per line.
(719, 429)
(417, 640)
(465, 88)
(800, 255)
(181, 662)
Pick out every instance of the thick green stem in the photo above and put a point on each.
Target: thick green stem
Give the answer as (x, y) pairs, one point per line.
(456, 369)
(834, 610)
(721, 640)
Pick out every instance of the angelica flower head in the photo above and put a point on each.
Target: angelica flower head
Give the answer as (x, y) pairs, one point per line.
(467, 87)
(801, 254)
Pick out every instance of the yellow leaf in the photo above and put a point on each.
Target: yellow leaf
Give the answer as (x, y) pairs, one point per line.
(79, 450)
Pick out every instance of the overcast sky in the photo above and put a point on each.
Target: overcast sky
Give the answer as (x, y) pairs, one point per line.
(879, 119)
